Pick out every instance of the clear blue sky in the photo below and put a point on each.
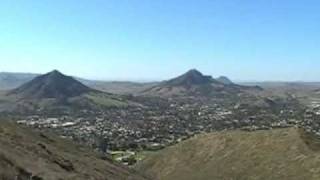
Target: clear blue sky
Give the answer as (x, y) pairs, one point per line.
(159, 39)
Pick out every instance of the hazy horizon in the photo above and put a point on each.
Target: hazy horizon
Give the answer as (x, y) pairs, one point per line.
(157, 40)
(159, 80)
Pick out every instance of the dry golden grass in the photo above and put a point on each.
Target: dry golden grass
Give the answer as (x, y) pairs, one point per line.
(282, 154)
(24, 153)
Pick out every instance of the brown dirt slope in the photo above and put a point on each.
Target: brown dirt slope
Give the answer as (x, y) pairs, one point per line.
(25, 154)
(237, 155)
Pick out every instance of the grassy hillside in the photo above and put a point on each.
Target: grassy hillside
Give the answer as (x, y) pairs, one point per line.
(237, 155)
(25, 154)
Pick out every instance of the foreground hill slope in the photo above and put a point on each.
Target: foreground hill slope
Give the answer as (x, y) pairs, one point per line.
(275, 154)
(25, 154)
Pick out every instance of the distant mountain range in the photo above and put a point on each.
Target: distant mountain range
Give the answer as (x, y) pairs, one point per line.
(13, 80)
(51, 85)
(190, 78)
(55, 92)
(194, 83)
(224, 80)
(9, 81)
